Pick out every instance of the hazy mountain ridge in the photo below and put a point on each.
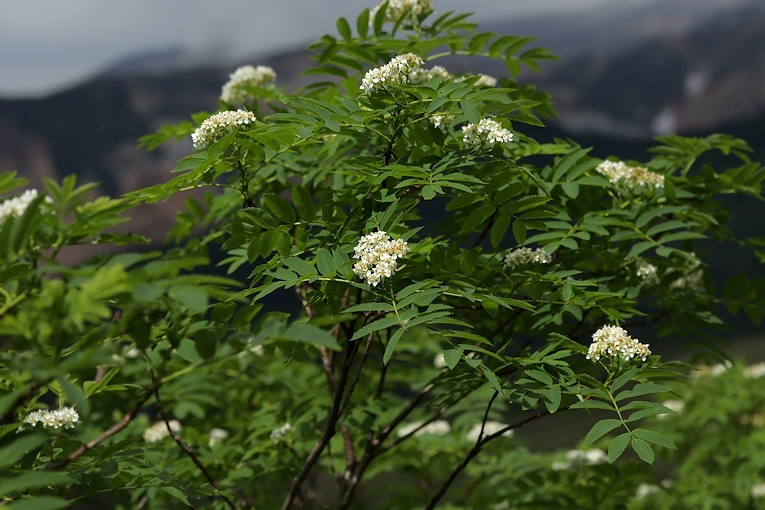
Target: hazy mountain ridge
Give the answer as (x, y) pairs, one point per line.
(708, 77)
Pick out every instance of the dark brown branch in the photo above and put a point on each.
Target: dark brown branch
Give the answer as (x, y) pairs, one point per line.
(329, 430)
(383, 372)
(403, 438)
(486, 415)
(373, 444)
(364, 356)
(189, 451)
(474, 453)
(486, 228)
(124, 422)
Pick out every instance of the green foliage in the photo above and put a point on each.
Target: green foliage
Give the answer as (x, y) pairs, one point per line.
(300, 369)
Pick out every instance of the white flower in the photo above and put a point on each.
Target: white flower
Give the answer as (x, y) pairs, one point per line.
(442, 121)
(159, 431)
(245, 76)
(485, 134)
(719, 368)
(63, 418)
(758, 490)
(377, 256)
(219, 125)
(712, 370)
(613, 341)
(438, 428)
(396, 72)
(646, 489)
(618, 172)
(578, 458)
(491, 427)
(217, 435)
(692, 282)
(397, 8)
(486, 81)
(674, 405)
(439, 361)
(646, 272)
(278, 434)
(119, 359)
(419, 75)
(252, 348)
(17, 205)
(754, 371)
(521, 256)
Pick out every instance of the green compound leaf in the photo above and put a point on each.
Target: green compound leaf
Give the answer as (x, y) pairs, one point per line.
(279, 207)
(326, 263)
(617, 446)
(644, 450)
(654, 437)
(592, 404)
(343, 28)
(600, 429)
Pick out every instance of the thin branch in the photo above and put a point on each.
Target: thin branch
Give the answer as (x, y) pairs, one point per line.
(124, 422)
(329, 430)
(510, 318)
(189, 451)
(373, 445)
(486, 415)
(364, 356)
(383, 372)
(474, 453)
(411, 433)
(486, 228)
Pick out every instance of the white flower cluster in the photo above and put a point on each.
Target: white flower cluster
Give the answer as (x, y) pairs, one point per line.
(64, 418)
(646, 489)
(442, 121)
(646, 272)
(758, 491)
(395, 72)
(217, 435)
(418, 75)
(219, 125)
(377, 256)
(578, 458)
(613, 341)
(485, 134)
(17, 205)
(754, 371)
(712, 371)
(252, 348)
(491, 427)
(674, 405)
(692, 281)
(397, 8)
(438, 428)
(245, 76)
(521, 256)
(618, 172)
(159, 431)
(486, 81)
(278, 434)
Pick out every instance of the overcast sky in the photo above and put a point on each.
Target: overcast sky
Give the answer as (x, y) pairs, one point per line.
(47, 45)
